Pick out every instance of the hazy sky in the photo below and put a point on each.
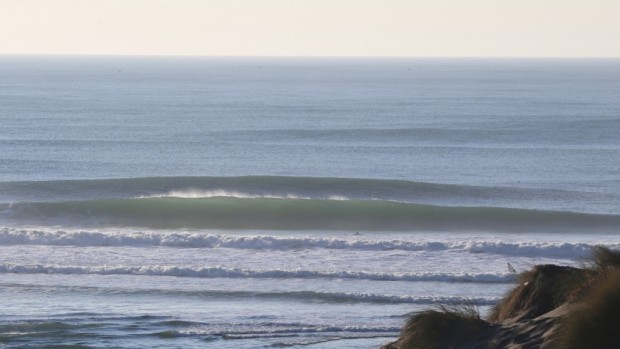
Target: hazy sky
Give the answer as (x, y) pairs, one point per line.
(312, 27)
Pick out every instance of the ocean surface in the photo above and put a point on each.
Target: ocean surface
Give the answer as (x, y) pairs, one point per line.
(289, 203)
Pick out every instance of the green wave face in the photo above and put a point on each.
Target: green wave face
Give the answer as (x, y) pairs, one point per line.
(302, 214)
(315, 188)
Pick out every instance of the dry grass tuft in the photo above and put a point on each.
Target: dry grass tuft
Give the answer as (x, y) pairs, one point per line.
(603, 259)
(441, 328)
(594, 324)
(540, 290)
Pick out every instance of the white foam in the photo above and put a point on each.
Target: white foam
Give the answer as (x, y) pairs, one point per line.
(11, 236)
(221, 193)
(218, 193)
(223, 272)
(231, 330)
(378, 298)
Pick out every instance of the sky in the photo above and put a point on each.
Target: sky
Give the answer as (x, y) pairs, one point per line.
(377, 28)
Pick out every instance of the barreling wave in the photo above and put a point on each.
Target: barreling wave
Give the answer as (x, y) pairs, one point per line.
(9, 236)
(301, 214)
(221, 272)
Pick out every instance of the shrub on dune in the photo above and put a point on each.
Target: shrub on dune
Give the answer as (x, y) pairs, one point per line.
(594, 322)
(540, 290)
(589, 319)
(604, 259)
(441, 328)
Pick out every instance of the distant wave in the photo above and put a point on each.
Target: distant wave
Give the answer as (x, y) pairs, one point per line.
(9, 236)
(311, 296)
(65, 327)
(342, 297)
(249, 186)
(284, 330)
(221, 272)
(320, 188)
(301, 214)
(533, 138)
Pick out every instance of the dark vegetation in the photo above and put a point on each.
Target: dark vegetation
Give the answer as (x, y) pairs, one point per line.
(441, 327)
(552, 307)
(539, 290)
(595, 323)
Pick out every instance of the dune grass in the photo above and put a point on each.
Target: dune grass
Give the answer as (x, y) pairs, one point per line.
(441, 327)
(592, 322)
(603, 259)
(540, 290)
(595, 323)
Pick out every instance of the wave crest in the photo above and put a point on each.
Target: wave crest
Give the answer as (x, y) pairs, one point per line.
(9, 236)
(222, 272)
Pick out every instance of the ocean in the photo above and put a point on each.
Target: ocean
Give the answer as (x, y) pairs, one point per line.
(170, 202)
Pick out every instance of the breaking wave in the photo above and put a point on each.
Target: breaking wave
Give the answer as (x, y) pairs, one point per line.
(284, 330)
(10, 236)
(221, 272)
(317, 188)
(309, 296)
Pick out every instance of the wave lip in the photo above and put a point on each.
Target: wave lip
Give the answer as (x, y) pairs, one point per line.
(218, 193)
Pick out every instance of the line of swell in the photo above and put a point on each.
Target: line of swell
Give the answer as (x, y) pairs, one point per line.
(221, 272)
(271, 330)
(269, 186)
(10, 236)
(299, 214)
(313, 296)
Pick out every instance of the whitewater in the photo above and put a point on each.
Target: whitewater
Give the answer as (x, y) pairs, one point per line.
(302, 203)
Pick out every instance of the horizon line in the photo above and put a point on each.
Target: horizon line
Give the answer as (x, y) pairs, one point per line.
(121, 55)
